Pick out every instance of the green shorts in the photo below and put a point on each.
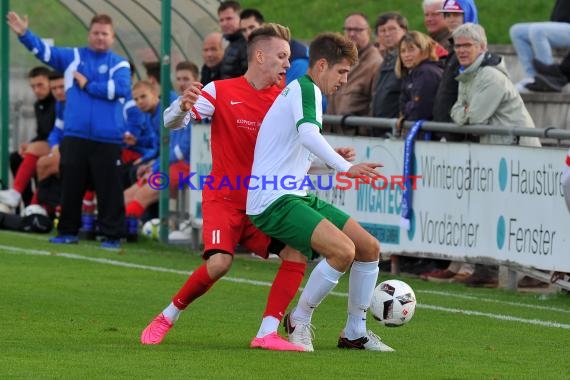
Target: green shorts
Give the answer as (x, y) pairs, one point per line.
(292, 219)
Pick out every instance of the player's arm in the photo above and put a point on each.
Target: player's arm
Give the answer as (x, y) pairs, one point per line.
(318, 166)
(56, 57)
(118, 85)
(311, 138)
(178, 114)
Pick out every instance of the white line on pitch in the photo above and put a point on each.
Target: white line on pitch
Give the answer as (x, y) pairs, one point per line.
(99, 260)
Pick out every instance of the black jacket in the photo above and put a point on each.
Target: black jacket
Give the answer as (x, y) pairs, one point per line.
(418, 91)
(386, 99)
(561, 11)
(210, 74)
(45, 117)
(234, 63)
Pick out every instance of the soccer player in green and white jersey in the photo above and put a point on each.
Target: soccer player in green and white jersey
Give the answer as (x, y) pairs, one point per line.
(288, 141)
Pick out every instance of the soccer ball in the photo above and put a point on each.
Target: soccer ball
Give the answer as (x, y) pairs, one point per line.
(34, 209)
(151, 228)
(393, 303)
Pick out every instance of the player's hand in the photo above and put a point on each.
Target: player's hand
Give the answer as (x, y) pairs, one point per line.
(22, 149)
(190, 96)
(364, 169)
(348, 153)
(81, 79)
(18, 24)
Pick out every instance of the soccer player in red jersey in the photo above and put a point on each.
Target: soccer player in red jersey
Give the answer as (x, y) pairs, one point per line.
(236, 107)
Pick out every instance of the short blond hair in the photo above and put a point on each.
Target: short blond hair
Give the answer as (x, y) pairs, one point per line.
(266, 32)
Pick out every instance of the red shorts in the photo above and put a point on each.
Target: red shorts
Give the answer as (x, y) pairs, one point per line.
(177, 170)
(225, 227)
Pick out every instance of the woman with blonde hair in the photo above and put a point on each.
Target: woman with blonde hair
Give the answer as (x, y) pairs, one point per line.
(420, 70)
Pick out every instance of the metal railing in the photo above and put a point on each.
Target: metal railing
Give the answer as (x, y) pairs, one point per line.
(389, 125)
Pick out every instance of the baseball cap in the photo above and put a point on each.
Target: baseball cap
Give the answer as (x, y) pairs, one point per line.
(451, 6)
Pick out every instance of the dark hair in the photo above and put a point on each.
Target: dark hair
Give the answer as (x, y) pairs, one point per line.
(265, 32)
(190, 66)
(333, 47)
(385, 17)
(229, 4)
(39, 71)
(252, 12)
(55, 75)
(152, 70)
(101, 19)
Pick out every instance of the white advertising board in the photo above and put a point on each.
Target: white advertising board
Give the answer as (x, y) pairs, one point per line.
(474, 201)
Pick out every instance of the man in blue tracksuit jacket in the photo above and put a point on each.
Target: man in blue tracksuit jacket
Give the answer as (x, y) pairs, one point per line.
(95, 81)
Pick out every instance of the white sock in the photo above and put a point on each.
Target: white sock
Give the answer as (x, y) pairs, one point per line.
(269, 325)
(171, 312)
(321, 282)
(362, 280)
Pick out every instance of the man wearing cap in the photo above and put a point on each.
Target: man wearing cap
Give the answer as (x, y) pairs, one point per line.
(455, 13)
(435, 22)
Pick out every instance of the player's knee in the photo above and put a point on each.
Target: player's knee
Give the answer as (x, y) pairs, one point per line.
(346, 252)
(291, 254)
(219, 264)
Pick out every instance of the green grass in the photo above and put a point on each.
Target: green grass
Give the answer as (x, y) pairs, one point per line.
(73, 318)
(307, 18)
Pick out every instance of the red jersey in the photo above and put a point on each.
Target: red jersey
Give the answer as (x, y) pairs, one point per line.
(237, 110)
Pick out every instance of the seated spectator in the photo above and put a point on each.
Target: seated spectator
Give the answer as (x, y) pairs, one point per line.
(435, 23)
(153, 76)
(212, 54)
(536, 40)
(23, 162)
(486, 93)
(550, 78)
(390, 28)
(355, 96)
(420, 70)
(48, 191)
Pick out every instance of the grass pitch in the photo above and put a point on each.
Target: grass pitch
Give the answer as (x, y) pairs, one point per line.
(77, 312)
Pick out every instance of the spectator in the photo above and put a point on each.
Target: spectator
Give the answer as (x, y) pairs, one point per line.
(251, 19)
(550, 78)
(536, 39)
(212, 54)
(390, 28)
(455, 14)
(486, 96)
(486, 93)
(435, 23)
(91, 145)
(234, 62)
(356, 96)
(48, 192)
(140, 195)
(153, 75)
(186, 72)
(418, 67)
(23, 162)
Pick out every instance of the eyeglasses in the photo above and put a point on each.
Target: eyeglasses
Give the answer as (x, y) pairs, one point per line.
(355, 30)
(467, 46)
